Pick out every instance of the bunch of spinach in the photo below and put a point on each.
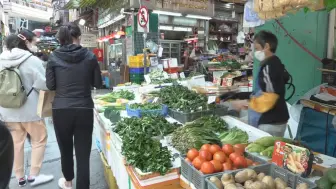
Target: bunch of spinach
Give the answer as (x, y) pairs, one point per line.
(201, 131)
(149, 125)
(146, 106)
(182, 99)
(113, 96)
(139, 147)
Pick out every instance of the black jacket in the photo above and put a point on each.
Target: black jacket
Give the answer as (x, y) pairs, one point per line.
(272, 78)
(72, 71)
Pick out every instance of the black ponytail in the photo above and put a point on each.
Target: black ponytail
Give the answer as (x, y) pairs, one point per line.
(67, 32)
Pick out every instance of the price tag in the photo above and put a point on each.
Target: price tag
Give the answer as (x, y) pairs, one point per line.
(211, 99)
(182, 75)
(160, 67)
(165, 75)
(147, 78)
(155, 99)
(174, 76)
(160, 51)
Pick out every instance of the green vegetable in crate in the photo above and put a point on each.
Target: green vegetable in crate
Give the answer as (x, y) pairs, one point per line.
(150, 125)
(268, 152)
(255, 148)
(269, 140)
(182, 99)
(195, 134)
(143, 152)
(146, 106)
(234, 136)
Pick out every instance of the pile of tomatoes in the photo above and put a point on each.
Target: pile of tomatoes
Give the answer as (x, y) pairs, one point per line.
(213, 158)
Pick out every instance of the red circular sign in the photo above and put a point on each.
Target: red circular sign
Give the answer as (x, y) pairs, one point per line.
(143, 16)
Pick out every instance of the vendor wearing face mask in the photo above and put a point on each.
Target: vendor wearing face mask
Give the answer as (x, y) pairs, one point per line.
(267, 107)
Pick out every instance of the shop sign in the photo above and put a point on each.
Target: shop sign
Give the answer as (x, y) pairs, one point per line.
(88, 40)
(6, 5)
(195, 7)
(99, 54)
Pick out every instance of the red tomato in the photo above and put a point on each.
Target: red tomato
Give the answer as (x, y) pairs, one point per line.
(249, 162)
(234, 155)
(227, 166)
(187, 160)
(220, 156)
(197, 163)
(240, 162)
(192, 154)
(218, 165)
(207, 168)
(228, 149)
(215, 148)
(239, 148)
(206, 147)
(228, 160)
(206, 155)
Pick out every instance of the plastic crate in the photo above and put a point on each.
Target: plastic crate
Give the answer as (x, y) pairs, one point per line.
(137, 76)
(138, 70)
(137, 61)
(198, 179)
(291, 179)
(138, 112)
(137, 81)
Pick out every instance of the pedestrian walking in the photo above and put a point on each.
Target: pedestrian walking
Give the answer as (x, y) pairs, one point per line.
(21, 77)
(6, 155)
(71, 71)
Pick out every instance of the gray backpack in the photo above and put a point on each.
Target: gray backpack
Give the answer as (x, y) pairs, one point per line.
(12, 92)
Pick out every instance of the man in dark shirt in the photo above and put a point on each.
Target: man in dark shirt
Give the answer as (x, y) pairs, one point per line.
(268, 109)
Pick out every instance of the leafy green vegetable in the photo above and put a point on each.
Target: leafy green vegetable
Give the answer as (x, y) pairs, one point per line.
(146, 106)
(330, 4)
(195, 134)
(150, 125)
(234, 136)
(113, 113)
(139, 148)
(268, 152)
(113, 96)
(182, 99)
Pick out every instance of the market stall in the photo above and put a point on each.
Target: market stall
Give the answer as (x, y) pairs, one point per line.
(155, 136)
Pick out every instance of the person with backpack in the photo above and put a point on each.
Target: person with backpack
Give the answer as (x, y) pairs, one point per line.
(21, 77)
(267, 104)
(72, 71)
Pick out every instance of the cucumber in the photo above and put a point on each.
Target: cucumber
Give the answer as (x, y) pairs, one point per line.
(324, 183)
(331, 173)
(269, 141)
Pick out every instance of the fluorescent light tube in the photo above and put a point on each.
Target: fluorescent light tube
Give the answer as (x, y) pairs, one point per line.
(198, 17)
(170, 28)
(182, 29)
(167, 13)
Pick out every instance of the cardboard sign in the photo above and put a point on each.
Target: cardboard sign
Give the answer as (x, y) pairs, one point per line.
(293, 158)
(182, 75)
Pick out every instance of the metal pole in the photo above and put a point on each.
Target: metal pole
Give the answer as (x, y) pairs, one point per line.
(145, 50)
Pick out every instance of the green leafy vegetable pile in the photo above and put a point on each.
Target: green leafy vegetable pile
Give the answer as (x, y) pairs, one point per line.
(201, 131)
(234, 136)
(150, 125)
(182, 99)
(113, 113)
(146, 106)
(139, 147)
(113, 96)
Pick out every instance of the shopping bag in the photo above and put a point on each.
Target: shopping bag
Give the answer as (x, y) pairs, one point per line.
(44, 106)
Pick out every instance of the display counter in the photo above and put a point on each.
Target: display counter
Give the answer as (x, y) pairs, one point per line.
(125, 177)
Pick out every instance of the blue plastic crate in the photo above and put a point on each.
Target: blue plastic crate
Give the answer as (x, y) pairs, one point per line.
(138, 70)
(139, 112)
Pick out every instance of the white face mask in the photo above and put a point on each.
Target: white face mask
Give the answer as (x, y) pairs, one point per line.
(259, 55)
(32, 48)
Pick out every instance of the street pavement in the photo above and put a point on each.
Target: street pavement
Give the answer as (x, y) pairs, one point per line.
(52, 165)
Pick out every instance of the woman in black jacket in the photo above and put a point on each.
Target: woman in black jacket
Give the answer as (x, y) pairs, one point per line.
(72, 71)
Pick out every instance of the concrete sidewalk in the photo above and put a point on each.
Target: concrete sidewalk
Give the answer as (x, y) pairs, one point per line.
(52, 165)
